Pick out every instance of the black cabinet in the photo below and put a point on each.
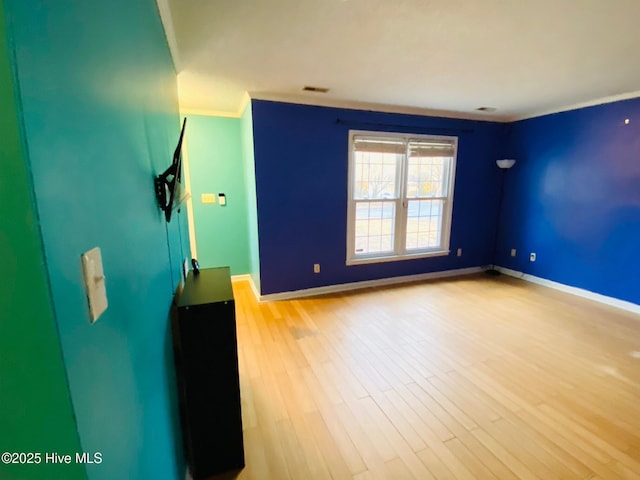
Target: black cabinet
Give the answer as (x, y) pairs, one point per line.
(206, 356)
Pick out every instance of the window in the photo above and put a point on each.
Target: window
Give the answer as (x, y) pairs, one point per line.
(400, 196)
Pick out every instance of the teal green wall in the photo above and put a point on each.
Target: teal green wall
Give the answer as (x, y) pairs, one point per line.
(35, 407)
(100, 111)
(248, 161)
(215, 163)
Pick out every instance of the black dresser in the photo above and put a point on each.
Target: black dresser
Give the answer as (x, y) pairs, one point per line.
(206, 357)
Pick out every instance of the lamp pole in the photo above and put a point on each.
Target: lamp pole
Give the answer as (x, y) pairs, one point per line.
(503, 165)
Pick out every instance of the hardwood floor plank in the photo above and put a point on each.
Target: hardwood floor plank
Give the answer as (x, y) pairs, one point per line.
(440, 406)
(331, 450)
(406, 428)
(470, 461)
(484, 455)
(498, 449)
(373, 450)
(337, 431)
(292, 451)
(429, 421)
(436, 466)
(527, 452)
(593, 439)
(567, 443)
(551, 445)
(471, 378)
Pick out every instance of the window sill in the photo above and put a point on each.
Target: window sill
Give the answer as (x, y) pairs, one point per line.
(396, 258)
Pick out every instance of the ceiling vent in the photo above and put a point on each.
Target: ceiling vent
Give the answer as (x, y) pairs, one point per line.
(308, 88)
(486, 109)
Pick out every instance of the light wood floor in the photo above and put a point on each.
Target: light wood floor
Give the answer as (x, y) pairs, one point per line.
(472, 378)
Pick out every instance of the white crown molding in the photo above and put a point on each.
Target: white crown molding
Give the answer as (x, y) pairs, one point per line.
(209, 113)
(246, 99)
(580, 292)
(315, 100)
(344, 287)
(577, 106)
(384, 108)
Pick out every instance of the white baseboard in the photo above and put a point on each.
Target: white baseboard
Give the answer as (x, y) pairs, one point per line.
(240, 278)
(580, 292)
(343, 287)
(247, 277)
(256, 292)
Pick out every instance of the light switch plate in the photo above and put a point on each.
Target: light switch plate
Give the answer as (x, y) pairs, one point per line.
(94, 283)
(208, 198)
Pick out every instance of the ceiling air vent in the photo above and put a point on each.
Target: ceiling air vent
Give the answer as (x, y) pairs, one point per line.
(308, 88)
(486, 109)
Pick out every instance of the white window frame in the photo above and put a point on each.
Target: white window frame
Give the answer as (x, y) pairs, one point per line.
(400, 252)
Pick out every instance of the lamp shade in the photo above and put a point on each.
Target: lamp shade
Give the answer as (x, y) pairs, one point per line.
(505, 163)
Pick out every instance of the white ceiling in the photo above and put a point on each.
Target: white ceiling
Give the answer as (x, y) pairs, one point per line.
(523, 57)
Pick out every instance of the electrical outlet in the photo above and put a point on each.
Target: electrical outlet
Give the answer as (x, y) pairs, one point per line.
(513, 252)
(532, 257)
(459, 253)
(316, 268)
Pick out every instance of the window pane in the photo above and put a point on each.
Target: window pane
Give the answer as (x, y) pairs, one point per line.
(375, 175)
(374, 227)
(400, 184)
(424, 224)
(426, 177)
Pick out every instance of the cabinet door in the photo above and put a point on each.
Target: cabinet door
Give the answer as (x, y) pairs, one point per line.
(211, 387)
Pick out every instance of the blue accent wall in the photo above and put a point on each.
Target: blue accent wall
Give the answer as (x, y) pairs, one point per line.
(574, 199)
(301, 166)
(99, 100)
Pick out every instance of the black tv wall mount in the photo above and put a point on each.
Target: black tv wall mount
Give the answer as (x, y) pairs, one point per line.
(167, 184)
